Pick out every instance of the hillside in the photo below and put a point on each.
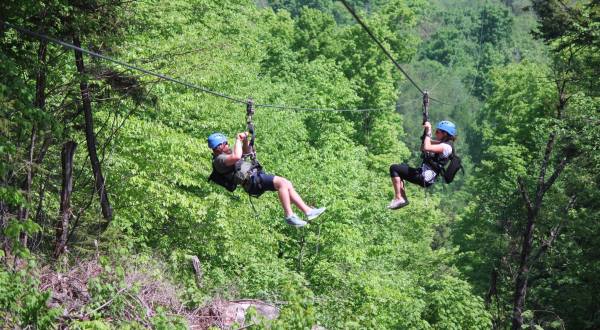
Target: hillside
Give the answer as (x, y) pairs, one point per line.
(509, 243)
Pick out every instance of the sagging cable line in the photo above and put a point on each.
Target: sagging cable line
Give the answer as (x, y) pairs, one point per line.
(283, 107)
(174, 80)
(121, 63)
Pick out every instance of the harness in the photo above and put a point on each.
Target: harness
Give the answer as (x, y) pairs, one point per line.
(246, 172)
(223, 179)
(425, 155)
(436, 161)
(445, 167)
(255, 170)
(250, 126)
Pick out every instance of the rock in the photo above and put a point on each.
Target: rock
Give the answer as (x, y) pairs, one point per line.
(227, 313)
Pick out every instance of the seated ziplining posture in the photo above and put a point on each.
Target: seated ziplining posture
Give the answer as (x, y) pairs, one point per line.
(231, 168)
(438, 153)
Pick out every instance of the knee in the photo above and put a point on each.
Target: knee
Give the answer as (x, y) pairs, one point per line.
(282, 183)
(394, 170)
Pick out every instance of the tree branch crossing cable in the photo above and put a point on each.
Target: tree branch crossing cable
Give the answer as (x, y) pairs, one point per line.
(174, 80)
(121, 63)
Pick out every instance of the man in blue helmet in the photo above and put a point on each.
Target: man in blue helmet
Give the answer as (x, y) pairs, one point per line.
(233, 169)
(438, 153)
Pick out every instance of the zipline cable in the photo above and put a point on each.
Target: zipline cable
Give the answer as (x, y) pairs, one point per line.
(385, 51)
(121, 63)
(174, 80)
(283, 107)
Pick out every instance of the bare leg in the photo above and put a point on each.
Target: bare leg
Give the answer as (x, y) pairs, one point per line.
(297, 200)
(403, 191)
(288, 195)
(398, 188)
(282, 186)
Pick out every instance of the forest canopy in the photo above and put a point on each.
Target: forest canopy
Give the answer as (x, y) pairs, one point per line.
(107, 219)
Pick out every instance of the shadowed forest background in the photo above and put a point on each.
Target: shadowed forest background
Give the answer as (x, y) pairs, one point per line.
(104, 198)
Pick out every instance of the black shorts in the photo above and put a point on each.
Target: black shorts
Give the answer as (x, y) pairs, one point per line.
(259, 183)
(410, 174)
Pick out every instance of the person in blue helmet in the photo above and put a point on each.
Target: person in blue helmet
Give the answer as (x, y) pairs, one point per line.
(437, 153)
(236, 170)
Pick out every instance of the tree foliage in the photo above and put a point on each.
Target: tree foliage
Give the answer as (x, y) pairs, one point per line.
(448, 261)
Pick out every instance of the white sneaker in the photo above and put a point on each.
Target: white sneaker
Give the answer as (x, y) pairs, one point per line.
(293, 220)
(397, 204)
(314, 213)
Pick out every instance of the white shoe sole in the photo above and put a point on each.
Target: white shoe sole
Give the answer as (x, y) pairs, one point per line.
(399, 206)
(314, 216)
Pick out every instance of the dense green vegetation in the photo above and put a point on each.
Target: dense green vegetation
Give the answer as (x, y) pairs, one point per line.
(510, 244)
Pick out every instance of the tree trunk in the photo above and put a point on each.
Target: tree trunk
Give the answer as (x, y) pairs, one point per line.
(522, 275)
(90, 137)
(534, 206)
(37, 136)
(23, 212)
(40, 215)
(40, 103)
(3, 239)
(493, 290)
(198, 270)
(62, 225)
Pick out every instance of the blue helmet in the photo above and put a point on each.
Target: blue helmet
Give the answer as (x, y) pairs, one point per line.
(447, 126)
(216, 139)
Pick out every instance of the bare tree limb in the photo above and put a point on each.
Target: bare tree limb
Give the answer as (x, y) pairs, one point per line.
(554, 232)
(62, 225)
(557, 171)
(525, 194)
(547, 153)
(99, 182)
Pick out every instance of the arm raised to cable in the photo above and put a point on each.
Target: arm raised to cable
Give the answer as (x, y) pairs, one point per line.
(237, 149)
(428, 145)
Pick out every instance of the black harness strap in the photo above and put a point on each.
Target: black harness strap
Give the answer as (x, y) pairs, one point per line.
(436, 162)
(256, 167)
(424, 154)
(250, 126)
(253, 207)
(425, 112)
